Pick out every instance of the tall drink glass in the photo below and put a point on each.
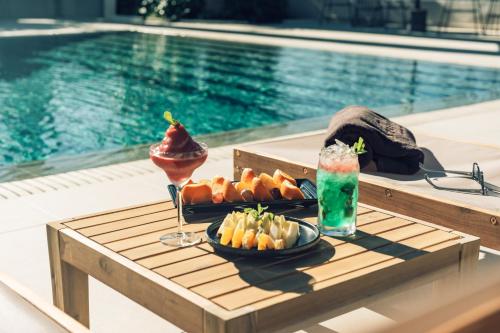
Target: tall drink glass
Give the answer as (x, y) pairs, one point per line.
(179, 167)
(337, 183)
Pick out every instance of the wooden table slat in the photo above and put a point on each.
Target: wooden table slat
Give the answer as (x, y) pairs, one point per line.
(117, 215)
(171, 257)
(152, 237)
(148, 250)
(135, 231)
(268, 303)
(190, 265)
(301, 282)
(371, 217)
(260, 275)
(127, 223)
(363, 210)
(215, 273)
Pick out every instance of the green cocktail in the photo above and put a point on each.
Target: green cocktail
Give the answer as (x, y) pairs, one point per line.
(337, 183)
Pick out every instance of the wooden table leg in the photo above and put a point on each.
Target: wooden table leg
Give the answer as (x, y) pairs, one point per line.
(70, 286)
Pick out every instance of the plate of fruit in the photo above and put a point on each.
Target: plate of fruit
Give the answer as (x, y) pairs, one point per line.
(223, 195)
(254, 232)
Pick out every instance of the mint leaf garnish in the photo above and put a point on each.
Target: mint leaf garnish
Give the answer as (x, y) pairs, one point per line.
(168, 117)
(359, 147)
(261, 209)
(257, 213)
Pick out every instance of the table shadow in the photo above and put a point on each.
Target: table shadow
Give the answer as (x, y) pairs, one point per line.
(383, 245)
(282, 273)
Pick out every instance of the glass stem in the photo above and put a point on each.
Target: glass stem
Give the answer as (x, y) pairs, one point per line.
(179, 209)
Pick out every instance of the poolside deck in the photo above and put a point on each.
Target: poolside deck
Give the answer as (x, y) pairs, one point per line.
(81, 192)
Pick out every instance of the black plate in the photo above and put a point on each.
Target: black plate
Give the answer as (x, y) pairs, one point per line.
(308, 237)
(306, 186)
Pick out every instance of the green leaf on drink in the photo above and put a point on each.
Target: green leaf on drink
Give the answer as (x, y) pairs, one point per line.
(359, 146)
(168, 117)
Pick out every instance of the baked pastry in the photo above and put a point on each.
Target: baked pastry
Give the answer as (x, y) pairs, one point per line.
(247, 175)
(290, 191)
(276, 194)
(229, 192)
(241, 186)
(260, 192)
(217, 189)
(268, 181)
(206, 181)
(279, 177)
(247, 195)
(196, 194)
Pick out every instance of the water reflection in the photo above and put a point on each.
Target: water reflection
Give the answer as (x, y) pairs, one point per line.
(80, 94)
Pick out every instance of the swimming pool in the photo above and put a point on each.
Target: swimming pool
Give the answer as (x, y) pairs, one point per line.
(73, 95)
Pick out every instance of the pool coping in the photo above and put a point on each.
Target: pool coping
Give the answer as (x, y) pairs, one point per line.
(102, 158)
(142, 166)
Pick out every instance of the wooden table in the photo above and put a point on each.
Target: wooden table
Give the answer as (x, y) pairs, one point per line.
(201, 291)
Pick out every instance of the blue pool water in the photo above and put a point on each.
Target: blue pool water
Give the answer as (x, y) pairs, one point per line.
(62, 96)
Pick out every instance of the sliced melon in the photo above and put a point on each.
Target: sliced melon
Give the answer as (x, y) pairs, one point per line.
(275, 230)
(265, 242)
(237, 238)
(279, 244)
(228, 221)
(291, 234)
(227, 235)
(248, 240)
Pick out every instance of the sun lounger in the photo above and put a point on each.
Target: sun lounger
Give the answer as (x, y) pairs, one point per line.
(410, 195)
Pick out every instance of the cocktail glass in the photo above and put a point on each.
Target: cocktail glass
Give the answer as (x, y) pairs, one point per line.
(337, 184)
(179, 168)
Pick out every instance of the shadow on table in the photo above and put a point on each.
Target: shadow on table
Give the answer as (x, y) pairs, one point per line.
(382, 245)
(284, 273)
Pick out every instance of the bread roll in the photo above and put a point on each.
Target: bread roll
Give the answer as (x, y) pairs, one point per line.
(279, 177)
(247, 175)
(193, 194)
(241, 186)
(206, 181)
(230, 193)
(290, 191)
(268, 181)
(260, 192)
(217, 189)
(247, 195)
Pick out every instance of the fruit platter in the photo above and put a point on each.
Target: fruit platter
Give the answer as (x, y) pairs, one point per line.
(223, 195)
(254, 232)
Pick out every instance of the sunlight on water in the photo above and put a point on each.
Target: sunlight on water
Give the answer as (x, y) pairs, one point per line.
(70, 95)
